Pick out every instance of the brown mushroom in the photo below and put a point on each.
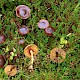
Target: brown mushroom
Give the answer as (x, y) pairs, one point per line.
(23, 30)
(2, 61)
(30, 51)
(57, 55)
(43, 24)
(23, 11)
(2, 38)
(10, 70)
(31, 48)
(49, 31)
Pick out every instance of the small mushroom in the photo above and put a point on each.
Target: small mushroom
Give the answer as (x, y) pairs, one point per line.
(49, 31)
(21, 41)
(10, 70)
(31, 48)
(30, 51)
(57, 55)
(2, 38)
(23, 11)
(2, 61)
(43, 24)
(23, 30)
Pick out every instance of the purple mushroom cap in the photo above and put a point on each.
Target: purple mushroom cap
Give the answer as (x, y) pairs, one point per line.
(2, 38)
(43, 24)
(49, 31)
(21, 41)
(2, 61)
(23, 30)
(23, 11)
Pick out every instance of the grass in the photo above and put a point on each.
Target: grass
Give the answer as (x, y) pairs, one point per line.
(64, 16)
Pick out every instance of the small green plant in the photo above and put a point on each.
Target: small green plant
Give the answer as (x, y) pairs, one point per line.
(13, 54)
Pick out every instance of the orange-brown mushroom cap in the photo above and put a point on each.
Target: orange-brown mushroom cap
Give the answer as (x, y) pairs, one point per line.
(10, 70)
(32, 47)
(57, 55)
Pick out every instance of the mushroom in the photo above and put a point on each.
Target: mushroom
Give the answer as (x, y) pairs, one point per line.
(49, 31)
(2, 38)
(10, 70)
(23, 30)
(31, 51)
(2, 61)
(57, 55)
(21, 41)
(23, 11)
(43, 24)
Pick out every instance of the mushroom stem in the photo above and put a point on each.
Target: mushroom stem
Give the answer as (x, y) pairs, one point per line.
(23, 21)
(31, 63)
(32, 59)
(18, 24)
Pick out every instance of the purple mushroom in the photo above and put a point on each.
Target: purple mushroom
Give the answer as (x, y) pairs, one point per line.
(49, 31)
(23, 11)
(43, 24)
(2, 61)
(23, 30)
(21, 41)
(2, 38)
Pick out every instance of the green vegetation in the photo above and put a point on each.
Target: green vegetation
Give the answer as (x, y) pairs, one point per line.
(64, 16)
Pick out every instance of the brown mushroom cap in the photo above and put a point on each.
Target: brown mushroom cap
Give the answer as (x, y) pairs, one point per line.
(10, 70)
(57, 55)
(2, 38)
(23, 11)
(2, 61)
(32, 47)
(43, 24)
(49, 31)
(23, 30)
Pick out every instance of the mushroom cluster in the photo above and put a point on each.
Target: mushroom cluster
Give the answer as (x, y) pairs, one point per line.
(44, 24)
(23, 12)
(56, 55)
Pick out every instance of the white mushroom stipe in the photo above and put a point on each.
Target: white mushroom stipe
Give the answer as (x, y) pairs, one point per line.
(32, 59)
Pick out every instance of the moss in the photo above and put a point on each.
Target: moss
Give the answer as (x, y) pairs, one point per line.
(63, 15)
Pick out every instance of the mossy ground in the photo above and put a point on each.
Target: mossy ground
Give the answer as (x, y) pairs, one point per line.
(64, 16)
